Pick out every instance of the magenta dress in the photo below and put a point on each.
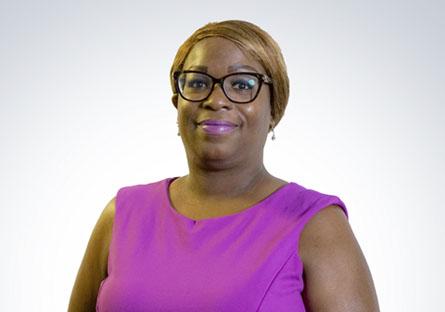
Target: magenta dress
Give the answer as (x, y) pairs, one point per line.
(160, 260)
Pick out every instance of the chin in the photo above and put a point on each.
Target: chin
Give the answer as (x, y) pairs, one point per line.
(216, 157)
(215, 153)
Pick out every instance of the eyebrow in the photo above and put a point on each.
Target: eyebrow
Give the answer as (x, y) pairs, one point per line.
(231, 68)
(198, 68)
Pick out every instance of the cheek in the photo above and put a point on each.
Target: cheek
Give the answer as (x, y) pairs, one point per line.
(259, 113)
(185, 113)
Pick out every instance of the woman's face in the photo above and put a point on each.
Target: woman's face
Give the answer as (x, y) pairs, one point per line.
(217, 129)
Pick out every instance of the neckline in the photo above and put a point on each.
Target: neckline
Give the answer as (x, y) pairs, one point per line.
(245, 211)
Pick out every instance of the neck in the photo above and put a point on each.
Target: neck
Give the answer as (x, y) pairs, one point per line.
(231, 181)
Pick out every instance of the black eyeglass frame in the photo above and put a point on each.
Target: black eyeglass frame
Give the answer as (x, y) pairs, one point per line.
(261, 78)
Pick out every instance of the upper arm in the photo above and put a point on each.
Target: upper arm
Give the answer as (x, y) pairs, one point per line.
(336, 275)
(93, 268)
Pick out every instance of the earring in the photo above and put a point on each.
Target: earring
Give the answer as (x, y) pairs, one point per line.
(178, 134)
(272, 128)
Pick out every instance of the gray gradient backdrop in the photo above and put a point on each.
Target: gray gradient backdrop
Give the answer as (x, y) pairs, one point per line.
(85, 109)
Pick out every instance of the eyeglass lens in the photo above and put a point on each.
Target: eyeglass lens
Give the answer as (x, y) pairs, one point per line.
(237, 87)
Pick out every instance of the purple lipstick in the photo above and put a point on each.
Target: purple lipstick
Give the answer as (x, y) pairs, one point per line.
(217, 126)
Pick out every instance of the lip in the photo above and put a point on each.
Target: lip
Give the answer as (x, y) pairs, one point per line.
(217, 126)
(217, 122)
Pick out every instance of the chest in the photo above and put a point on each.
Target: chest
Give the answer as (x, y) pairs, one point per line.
(216, 266)
(199, 208)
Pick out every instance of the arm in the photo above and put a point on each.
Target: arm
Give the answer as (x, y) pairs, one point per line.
(336, 275)
(93, 268)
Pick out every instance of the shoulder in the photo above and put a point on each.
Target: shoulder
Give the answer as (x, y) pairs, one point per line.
(136, 192)
(93, 268)
(99, 243)
(326, 229)
(101, 236)
(336, 274)
(107, 216)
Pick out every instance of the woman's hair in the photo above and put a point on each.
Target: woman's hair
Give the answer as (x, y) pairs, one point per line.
(256, 43)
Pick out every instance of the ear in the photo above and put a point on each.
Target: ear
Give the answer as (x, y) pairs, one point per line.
(175, 100)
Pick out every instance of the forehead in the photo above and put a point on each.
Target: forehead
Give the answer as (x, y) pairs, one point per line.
(219, 56)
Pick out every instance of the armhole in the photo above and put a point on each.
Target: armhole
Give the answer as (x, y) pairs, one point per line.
(109, 238)
(111, 247)
(110, 250)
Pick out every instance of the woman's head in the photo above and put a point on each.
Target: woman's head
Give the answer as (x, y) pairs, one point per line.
(256, 43)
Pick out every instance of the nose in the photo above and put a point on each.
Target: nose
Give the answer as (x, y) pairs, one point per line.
(217, 99)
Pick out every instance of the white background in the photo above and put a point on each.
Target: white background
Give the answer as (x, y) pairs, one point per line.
(85, 109)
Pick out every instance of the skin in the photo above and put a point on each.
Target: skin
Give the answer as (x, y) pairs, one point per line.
(225, 171)
(93, 268)
(228, 171)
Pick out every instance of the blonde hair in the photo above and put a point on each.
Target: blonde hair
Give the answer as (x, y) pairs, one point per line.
(256, 43)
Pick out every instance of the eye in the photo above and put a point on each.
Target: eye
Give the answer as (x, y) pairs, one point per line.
(197, 83)
(243, 83)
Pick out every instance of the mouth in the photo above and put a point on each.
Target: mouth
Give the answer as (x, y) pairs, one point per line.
(217, 122)
(217, 126)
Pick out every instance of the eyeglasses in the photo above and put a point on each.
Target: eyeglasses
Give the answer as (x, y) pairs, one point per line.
(241, 87)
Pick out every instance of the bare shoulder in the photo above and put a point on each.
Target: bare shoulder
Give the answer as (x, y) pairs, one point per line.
(93, 268)
(100, 239)
(336, 275)
(102, 231)
(106, 219)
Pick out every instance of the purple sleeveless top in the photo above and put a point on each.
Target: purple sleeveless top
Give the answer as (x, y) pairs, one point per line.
(160, 260)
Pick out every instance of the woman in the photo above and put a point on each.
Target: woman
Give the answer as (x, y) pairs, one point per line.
(229, 236)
